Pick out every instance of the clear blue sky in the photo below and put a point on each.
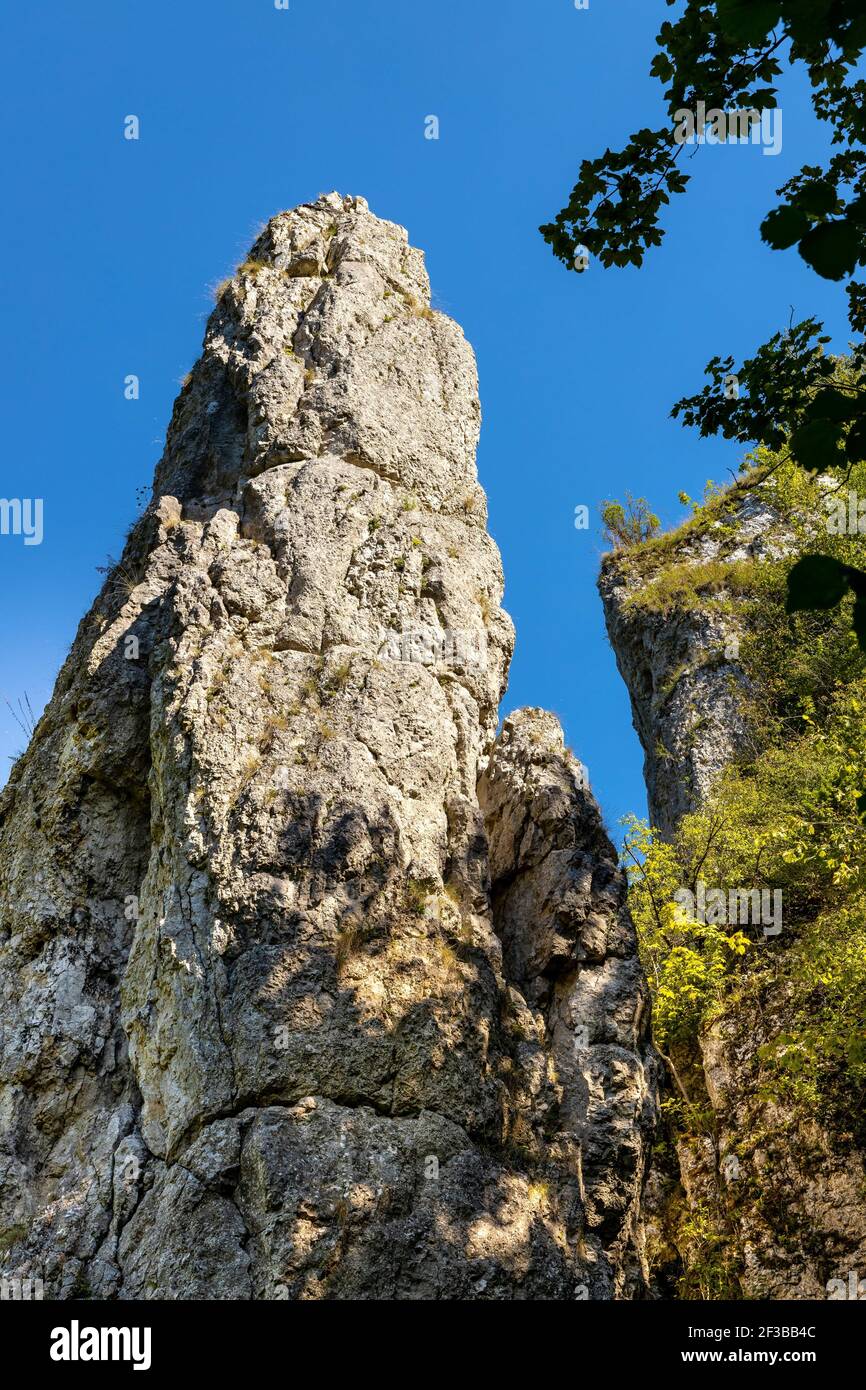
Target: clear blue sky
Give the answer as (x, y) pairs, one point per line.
(109, 247)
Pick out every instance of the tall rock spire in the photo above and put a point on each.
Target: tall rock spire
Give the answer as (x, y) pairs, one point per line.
(259, 1039)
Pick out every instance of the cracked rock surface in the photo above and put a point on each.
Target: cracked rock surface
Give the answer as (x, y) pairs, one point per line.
(280, 1015)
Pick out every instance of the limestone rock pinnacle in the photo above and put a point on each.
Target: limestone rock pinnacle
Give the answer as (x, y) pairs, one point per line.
(280, 1016)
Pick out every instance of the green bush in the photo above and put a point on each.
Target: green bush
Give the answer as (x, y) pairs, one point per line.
(628, 524)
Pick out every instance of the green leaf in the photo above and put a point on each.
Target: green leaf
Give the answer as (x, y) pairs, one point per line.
(806, 20)
(662, 67)
(860, 623)
(816, 581)
(856, 210)
(856, 580)
(855, 444)
(831, 404)
(818, 198)
(813, 445)
(833, 249)
(747, 21)
(782, 227)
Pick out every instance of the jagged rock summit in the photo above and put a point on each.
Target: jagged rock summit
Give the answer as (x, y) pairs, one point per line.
(280, 1015)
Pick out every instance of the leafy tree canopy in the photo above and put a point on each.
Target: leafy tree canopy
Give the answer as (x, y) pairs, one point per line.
(728, 55)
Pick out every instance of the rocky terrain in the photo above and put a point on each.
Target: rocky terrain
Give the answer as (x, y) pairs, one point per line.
(308, 987)
(772, 1187)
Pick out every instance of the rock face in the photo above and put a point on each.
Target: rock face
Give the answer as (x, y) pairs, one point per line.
(558, 899)
(681, 668)
(795, 1202)
(279, 1016)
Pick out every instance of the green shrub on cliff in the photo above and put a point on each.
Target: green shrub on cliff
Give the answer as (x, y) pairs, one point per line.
(629, 523)
(786, 822)
(687, 961)
(786, 816)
